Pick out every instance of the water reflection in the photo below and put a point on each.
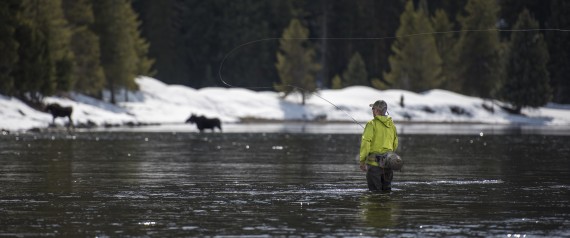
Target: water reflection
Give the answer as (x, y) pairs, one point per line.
(380, 210)
(57, 178)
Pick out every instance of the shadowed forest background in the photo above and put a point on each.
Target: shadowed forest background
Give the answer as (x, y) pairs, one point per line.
(490, 48)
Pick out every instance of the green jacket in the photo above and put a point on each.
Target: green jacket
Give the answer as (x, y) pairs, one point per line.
(379, 137)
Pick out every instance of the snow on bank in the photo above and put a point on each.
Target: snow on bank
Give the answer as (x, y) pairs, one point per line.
(159, 103)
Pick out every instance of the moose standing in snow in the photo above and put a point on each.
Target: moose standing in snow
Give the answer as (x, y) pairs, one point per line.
(57, 110)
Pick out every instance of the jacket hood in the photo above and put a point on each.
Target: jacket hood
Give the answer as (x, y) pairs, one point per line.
(386, 121)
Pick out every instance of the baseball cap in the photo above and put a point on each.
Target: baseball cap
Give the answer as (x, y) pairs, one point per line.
(381, 105)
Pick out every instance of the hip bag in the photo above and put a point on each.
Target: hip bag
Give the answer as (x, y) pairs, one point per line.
(388, 160)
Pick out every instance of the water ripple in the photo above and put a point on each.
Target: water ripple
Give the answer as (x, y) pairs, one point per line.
(453, 182)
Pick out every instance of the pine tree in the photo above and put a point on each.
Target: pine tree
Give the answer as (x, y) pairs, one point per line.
(253, 65)
(122, 49)
(9, 11)
(35, 71)
(479, 63)
(48, 17)
(117, 53)
(527, 79)
(296, 63)
(355, 73)
(415, 63)
(379, 84)
(445, 40)
(87, 70)
(336, 82)
(161, 25)
(199, 52)
(143, 65)
(510, 10)
(559, 48)
(355, 19)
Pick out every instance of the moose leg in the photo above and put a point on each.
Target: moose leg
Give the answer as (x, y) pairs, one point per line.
(70, 121)
(217, 124)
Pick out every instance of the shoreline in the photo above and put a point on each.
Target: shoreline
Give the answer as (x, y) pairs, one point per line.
(313, 127)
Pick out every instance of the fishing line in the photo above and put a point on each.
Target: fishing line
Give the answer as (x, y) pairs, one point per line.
(358, 38)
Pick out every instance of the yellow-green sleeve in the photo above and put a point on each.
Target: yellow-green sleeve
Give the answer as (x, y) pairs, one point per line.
(395, 139)
(366, 141)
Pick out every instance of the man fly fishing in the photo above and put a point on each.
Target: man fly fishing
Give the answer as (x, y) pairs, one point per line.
(378, 139)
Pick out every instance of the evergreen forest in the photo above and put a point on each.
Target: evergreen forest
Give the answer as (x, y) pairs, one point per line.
(517, 51)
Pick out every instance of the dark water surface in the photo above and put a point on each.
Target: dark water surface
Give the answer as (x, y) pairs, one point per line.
(155, 184)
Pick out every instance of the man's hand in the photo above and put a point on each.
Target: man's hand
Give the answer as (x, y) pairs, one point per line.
(363, 167)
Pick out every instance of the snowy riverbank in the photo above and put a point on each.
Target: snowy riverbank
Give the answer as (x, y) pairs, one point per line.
(157, 103)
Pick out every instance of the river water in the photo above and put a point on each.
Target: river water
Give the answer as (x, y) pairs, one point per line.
(280, 183)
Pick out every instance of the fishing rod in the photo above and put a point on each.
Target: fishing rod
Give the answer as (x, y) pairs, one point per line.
(359, 38)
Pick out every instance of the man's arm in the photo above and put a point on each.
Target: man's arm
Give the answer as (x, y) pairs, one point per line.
(365, 143)
(395, 139)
